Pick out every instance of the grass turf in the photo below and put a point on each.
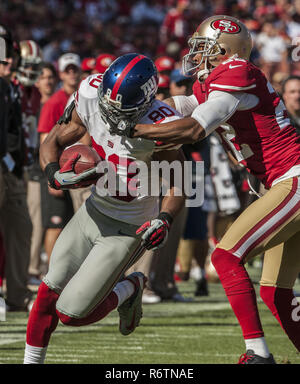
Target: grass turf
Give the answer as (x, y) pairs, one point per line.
(201, 332)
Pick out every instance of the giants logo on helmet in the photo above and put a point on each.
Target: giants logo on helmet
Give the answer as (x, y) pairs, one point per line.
(150, 87)
(226, 26)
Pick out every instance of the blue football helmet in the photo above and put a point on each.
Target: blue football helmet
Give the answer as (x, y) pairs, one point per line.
(128, 88)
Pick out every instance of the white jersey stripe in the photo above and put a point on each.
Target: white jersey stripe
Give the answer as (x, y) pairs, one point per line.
(284, 211)
(232, 87)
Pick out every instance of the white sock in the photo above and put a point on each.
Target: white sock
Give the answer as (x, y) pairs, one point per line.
(34, 355)
(259, 346)
(124, 290)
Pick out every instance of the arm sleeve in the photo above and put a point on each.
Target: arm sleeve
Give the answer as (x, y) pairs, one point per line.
(220, 106)
(185, 104)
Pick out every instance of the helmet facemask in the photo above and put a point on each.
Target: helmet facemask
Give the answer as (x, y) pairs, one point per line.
(29, 71)
(112, 109)
(205, 46)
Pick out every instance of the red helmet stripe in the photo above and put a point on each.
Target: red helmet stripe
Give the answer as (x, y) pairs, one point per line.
(125, 71)
(30, 46)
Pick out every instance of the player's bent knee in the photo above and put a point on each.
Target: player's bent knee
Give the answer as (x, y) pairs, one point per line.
(68, 320)
(222, 259)
(46, 296)
(267, 295)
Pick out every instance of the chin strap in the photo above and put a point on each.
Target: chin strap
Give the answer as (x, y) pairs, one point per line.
(204, 73)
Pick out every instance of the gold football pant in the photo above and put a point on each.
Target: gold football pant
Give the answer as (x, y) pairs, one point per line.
(270, 225)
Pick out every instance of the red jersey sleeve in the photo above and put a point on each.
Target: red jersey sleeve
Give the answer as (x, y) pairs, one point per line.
(235, 75)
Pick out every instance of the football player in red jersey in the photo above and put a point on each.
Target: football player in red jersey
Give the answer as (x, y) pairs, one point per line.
(233, 97)
(27, 75)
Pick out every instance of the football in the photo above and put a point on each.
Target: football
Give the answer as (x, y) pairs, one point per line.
(89, 158)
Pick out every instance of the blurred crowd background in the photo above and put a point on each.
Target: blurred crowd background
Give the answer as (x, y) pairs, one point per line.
(79, 37)
(152, 27)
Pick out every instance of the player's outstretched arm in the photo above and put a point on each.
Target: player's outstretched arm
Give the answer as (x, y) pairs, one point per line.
(155, 232)
(182, 131)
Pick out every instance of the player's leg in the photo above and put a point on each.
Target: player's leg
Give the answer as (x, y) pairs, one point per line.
(95, 290)
(280, 271)
(68, 253)
(252, 233)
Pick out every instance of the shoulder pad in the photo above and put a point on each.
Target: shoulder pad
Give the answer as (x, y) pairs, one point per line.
(88, 87)
(233, 75)
(86, 98)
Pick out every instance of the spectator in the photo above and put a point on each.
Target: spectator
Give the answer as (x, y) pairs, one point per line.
(194, 243)
(277, 81)
(273, 51)
(174, 26)
(291, 98)
(57, 206)
(46, 85)
(102, 10)
(47, 82)
(144, 12)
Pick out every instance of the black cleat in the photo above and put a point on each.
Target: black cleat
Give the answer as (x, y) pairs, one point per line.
(250, 358)
(201, 287)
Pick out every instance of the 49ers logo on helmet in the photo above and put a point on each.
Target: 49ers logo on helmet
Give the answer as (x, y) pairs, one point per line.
(226, 26)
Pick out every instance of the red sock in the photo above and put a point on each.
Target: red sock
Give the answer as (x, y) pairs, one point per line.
(42, 318)
(102, 310)
(285, 307)
(239, 290)
(2, 259)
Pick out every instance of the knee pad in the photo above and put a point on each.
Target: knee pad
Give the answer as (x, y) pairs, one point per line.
(224, 261)
(231, 271)
(68, 320)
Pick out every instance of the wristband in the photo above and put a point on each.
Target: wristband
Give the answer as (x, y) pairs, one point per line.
(166, 217)
(50, 170)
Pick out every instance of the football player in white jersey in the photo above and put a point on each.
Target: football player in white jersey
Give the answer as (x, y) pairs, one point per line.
(103, 239)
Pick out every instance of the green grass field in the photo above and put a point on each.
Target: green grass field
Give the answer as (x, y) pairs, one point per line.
(202, 332)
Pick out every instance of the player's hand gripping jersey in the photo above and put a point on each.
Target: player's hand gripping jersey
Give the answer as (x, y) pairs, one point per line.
(121, 152)
(260, 135)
